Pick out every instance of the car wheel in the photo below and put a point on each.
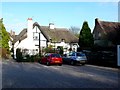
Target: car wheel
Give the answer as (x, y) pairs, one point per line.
(83, 63)
(48, 63)
(72, 62)
(60, 64)
(40, 62)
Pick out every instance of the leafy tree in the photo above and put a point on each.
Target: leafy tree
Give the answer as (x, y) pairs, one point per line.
(4, 36)
(75, 30)
(86, 37)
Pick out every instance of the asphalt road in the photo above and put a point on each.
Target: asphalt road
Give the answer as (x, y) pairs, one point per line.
(35, 75)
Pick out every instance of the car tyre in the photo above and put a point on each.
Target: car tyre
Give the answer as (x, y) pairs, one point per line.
(83, 64)
(72, 62)
(40, 62)
(60, 64)
(48, 63)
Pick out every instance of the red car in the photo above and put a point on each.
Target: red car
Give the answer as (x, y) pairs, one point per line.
(51, 58)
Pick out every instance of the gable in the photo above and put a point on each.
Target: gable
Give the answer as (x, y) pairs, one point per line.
(109, 30)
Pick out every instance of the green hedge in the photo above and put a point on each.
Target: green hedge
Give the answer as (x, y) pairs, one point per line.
(26, 58)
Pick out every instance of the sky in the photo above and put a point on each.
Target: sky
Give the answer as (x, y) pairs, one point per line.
(62, 14)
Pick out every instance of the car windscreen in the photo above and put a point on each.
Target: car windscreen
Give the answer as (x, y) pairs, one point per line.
(80, 54)
(55, 55)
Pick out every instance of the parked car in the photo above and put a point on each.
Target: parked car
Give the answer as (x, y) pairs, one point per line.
(75, 58)
(51, 58)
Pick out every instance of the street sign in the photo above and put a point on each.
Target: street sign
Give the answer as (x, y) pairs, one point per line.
(118, 55)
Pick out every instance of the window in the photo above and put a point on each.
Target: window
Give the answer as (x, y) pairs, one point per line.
(99, 34)
(73, 54)
(55, 55)
(80, 54)
(35, 36)
(93, 35)
(63, 40)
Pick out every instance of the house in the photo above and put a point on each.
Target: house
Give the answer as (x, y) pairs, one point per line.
(35, 36)
(106, 34)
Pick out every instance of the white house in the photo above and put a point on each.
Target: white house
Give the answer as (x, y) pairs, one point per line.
(28, 38)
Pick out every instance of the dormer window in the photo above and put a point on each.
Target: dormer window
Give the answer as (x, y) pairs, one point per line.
(19, 41)
(63, 40)
(50, 40)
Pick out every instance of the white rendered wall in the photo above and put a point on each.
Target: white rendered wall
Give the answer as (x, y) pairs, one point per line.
(29, 42)
(42, 38)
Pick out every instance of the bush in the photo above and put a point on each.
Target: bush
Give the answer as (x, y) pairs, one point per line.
(60, 48)
(4, 53)
(49, 50)
(19, 55)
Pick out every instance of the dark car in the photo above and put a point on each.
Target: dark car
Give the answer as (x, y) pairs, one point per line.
(75, 58)
(51, 58)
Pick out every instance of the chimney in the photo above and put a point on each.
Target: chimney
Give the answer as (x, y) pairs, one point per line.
(96, 21)
(30, 27)
(13, 33)
(29, 18)
(51, 25)
(30, 23)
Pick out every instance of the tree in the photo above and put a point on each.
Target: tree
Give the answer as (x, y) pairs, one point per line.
(75, 30)
(86, 38)
(4, 36)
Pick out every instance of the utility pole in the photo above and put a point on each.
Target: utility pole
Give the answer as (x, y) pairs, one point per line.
(39, 46)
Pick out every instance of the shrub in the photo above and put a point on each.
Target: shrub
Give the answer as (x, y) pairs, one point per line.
(4, 53)
(19, 55)
(49, 50)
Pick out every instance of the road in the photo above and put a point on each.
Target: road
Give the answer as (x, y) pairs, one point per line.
(35, 75)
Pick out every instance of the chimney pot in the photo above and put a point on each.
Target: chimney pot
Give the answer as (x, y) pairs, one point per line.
(29, 18)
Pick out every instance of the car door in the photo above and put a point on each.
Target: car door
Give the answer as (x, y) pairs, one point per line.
(72, 56)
